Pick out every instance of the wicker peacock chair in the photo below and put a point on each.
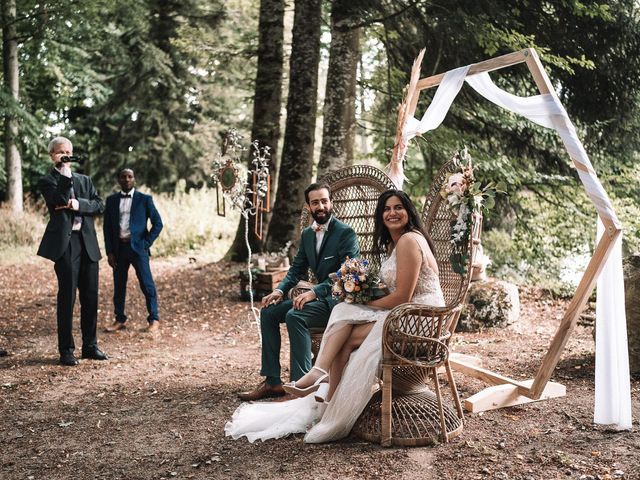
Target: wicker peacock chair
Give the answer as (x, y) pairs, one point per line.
(355, 191)
(415, 343)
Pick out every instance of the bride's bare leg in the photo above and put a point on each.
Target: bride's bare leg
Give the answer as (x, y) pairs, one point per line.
(337, 367)
(358, 334)
(328, 352)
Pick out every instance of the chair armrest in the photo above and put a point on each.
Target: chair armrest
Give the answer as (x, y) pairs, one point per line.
(302, 287)
(415, 350)
(418, 334)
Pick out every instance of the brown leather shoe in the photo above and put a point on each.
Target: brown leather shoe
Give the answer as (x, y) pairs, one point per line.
(115, 326)
(152, 327)
(263, 390)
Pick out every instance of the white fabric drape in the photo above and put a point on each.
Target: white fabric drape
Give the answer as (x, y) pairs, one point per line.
(612, 398)
(613, 390)
(442, 100)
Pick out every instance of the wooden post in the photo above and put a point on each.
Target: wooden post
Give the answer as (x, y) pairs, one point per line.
(575, 308)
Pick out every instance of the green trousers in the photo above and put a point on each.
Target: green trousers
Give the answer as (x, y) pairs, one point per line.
(314, 314)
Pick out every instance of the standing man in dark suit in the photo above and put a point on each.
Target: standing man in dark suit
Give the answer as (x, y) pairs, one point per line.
(70, 241)
(127, 241)
(323, 248)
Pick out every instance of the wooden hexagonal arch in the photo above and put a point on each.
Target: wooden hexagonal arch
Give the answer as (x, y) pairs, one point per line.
(506, 391)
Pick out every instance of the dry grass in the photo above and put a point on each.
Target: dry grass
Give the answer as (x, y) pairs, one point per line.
(20, 235)
(191, 224)
(191, 227)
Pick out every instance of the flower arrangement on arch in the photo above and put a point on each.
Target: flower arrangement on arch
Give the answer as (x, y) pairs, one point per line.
(354, 282)
(465, 197)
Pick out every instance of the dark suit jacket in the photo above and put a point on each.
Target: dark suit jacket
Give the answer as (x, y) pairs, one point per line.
(142, 210)
(339, 242)
(55, 189)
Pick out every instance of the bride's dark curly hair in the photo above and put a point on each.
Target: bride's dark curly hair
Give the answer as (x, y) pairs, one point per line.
(381, 235)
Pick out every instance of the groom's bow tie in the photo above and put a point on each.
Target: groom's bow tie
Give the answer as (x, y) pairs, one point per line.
(317, 227)
(125, 195)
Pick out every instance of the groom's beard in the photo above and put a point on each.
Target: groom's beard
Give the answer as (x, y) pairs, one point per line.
(322, 216)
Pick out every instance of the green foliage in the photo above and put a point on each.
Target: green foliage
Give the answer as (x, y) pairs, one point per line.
(148, 84)
(591, 51)
(154, 84)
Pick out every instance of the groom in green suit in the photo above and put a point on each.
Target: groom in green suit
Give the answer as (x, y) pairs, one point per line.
(323, 247)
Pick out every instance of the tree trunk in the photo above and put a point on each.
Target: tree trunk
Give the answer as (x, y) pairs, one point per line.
(297, 150)
(266, 105)
(13, 162)
(339, 128)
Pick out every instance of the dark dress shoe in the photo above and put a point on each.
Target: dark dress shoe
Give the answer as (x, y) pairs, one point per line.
(94, 354)
(68, 359)
(264, 390)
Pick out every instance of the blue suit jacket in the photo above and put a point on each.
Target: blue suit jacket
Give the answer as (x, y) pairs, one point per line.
(142, 210)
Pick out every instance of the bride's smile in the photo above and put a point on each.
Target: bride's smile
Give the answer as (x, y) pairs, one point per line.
(395, 216)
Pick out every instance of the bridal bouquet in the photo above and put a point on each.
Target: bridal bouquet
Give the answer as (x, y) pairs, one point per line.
(355, 283)
(465, 197)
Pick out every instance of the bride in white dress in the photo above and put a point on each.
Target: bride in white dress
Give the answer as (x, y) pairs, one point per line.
(351, 349)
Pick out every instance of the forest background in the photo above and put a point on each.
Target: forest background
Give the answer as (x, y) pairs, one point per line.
(155, 85)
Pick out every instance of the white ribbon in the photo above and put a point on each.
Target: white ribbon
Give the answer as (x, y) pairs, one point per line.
(612, 384)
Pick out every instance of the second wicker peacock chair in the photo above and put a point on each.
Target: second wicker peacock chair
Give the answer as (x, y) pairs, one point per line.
(415, 343)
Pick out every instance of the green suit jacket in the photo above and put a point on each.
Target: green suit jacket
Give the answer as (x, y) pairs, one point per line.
(339, 242)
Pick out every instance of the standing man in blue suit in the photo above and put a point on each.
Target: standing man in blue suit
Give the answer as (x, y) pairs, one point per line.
(127, 241)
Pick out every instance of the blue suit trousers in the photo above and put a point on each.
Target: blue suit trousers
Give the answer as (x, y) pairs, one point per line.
(127, 257)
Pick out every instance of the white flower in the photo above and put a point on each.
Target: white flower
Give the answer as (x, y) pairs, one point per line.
(349, 286)
(456, 184)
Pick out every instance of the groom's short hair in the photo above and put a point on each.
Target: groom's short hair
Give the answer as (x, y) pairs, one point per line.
(316, 186)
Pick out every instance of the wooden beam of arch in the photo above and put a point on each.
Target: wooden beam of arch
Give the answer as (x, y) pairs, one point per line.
(539, 387)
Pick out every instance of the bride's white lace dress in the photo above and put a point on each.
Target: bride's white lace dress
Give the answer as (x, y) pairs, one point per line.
(322, 422)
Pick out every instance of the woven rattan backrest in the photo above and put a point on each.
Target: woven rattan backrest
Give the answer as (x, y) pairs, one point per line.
(355, 191)
(437, 220)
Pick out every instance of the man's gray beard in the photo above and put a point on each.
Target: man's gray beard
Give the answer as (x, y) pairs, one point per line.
(326, 218)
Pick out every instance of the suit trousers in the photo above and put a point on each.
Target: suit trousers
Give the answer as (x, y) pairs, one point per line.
(127, 257)
(76, 271)
(314, 314)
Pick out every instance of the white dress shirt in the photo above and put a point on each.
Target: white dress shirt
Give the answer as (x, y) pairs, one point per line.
(125, 213)
(75, 205)
(320, 234)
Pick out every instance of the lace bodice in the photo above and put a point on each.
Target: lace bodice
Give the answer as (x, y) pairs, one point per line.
(428, 282)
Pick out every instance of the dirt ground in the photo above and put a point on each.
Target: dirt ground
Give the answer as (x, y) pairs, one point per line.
(157, 408)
